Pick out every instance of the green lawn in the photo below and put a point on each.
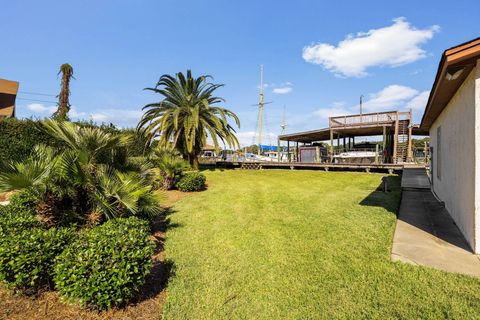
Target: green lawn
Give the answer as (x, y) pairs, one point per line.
(300, 245)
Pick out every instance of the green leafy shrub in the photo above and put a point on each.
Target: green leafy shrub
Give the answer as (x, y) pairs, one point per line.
(19, 215)
(18, 137)
(27, 257)
(191, 181)
(107, 265)
(23, 201)
(14, 221)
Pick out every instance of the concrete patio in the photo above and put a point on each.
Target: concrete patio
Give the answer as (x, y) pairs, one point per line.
(426, 234)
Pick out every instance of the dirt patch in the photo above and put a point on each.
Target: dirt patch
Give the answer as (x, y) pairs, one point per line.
(49, 306)
(173, 196)
(5, 196)
(148, 305)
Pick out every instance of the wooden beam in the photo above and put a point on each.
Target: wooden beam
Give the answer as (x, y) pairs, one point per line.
(395, 139)
(331, 145)
(409, 150)
(296, 153)
(288, 151)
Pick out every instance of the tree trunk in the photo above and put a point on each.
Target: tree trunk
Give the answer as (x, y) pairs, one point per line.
(193, 160)
(167, 183)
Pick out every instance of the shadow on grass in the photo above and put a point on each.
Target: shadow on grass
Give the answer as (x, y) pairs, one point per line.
(212, 169)
(418, 208)
(162, 268)
(386, 195)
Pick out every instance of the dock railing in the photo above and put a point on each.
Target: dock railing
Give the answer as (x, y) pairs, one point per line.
(376, 118)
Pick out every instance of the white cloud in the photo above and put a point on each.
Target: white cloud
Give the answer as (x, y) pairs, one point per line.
(119, 117)
(40, 108)
(335, 109)
(49, 110)
(74, 114)
(419, 102)
(247, 138)
(282, 90)
(392, 46)
(390, 98)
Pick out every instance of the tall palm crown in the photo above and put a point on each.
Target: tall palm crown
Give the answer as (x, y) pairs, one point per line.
(187, 115)
(64, 97)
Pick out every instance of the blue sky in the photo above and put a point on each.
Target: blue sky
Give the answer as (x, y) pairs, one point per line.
(319, 57)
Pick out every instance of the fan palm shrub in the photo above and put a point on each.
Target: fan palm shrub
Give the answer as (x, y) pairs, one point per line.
(84, 176)
(187, 115)
(169, 165)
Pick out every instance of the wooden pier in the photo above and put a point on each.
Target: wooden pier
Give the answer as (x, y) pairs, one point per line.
(387, 168)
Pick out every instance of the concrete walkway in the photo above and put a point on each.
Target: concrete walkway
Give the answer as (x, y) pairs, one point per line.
(425, 232)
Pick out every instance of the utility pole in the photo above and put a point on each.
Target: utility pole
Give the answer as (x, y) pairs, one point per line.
(361, 111)
(260, 111)
(284, 130)
(284, 121)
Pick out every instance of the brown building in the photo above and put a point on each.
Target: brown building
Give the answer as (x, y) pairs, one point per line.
(8, 94)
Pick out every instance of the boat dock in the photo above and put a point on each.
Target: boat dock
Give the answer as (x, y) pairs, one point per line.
(387, 168)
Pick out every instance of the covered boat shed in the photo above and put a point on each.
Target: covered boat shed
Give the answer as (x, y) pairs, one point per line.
(395, 127)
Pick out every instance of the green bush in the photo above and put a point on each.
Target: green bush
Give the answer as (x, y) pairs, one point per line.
(191, 181)
(19, 215)
(27, 257)
(107, 265)
(23, 201)
(18, 137)
(14, 221)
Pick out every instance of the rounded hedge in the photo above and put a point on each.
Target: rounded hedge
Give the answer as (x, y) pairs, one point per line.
(23, 201)
(18, 215)
(191, 181)
(107, 265)
(27, 257)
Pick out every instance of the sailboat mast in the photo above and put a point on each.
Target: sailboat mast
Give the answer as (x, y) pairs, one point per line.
(284, 121)
(260, 111)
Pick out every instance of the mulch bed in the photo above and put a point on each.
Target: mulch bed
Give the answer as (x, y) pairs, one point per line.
(148, 305)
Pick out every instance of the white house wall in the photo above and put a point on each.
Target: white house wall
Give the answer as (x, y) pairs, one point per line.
(477, 156)
(456, 186)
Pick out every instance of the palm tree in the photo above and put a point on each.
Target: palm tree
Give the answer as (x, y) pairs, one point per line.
(187, 115)
(63, 98)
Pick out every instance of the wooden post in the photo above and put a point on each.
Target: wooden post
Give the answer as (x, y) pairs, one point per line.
(425, 150)
(331, 145)
(288, 151)
(409, 150)
(384, 137)
(344, 144)
(296, 153)
(278, 150)
(376, 153)
(317, 155)
(384, 142)
(395, 139)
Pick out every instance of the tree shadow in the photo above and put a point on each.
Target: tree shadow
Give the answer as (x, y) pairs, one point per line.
(418, 208)
(162, 268)
(387, 195)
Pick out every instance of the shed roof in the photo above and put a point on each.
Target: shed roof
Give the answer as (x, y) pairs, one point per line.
(8, 94)
(454, 67)
(324, 134)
